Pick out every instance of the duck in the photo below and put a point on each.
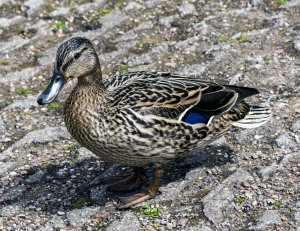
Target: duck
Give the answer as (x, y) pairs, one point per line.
(144, 118)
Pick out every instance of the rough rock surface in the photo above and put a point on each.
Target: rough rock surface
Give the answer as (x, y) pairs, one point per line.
(128, 222)
(269, 217)
(246, 180)
(219, 198)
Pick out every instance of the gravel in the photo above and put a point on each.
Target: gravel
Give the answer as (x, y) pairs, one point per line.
(2, 127)
(296, 211)
(216, 200)
(285, 141)
(245, 180)
(38, 136)
(13, 44)
(128, 222)
(24, 103)
(297, 45)
(79, 217)
(296, 125)
(32, 6)
(36, 177)
(22, 75)
(13, 194)
(268, 218)
(55, 223)
(187, 9)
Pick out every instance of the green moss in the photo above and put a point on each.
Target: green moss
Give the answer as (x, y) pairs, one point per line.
(277, 204)
(53, 105)
(74, 158)
(223, 39)
(140, 44)
(94, 16)
(4, 62)
(59, 25)
(24, 90)
(38, 54)
(81, 202)
(268, 58)
(239, 200)
(150, 212)
(280, 2)
(70, 147)
(103, 12)
(124, 69)
(243, 39)
(155, 225)
(20, 31)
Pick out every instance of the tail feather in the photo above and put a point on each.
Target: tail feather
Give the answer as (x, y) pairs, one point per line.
(243, 92)
(256, 117)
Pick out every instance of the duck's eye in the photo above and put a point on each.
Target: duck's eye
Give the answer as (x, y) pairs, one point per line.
(77, 55)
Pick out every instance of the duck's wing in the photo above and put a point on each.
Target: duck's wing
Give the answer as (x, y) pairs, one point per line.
(156, 93)
(168, 95)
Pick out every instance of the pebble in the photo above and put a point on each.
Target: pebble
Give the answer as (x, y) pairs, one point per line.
(182, 222)
(32, 6)
(245, 184)
(35, 177)
(187, 9)
(256, 3)
(2, 127)
(297, 45)
(207, 179)
(285, 141)
(169, 226)
(133, 6)
(13, 174)
(296, 125)
(23, 172)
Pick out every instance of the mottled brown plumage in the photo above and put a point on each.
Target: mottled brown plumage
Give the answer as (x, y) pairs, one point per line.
(144, 118)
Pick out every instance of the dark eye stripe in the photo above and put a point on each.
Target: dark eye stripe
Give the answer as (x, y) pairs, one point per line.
(76, 56)
(64, 68)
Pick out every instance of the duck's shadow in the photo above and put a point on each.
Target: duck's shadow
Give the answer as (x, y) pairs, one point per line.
(68, 186)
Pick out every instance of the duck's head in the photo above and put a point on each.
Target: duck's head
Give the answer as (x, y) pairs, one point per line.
(75, 58)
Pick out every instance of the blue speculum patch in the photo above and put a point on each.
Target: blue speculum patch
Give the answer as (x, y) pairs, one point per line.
(195, 118)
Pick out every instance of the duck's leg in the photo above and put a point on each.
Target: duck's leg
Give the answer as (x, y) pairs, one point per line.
(126, 182)
(141, 197)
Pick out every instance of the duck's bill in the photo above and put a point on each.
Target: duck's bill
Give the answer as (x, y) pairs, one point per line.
(53, 89)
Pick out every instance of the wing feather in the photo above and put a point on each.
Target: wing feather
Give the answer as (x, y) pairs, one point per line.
(169, 95)
(157, 93)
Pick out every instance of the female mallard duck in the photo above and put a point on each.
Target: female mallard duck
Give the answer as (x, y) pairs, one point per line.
(143, 118)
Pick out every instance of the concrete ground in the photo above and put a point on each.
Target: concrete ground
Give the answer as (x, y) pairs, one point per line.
(246, 180)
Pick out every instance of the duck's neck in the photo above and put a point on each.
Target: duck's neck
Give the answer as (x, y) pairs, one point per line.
(92, 78)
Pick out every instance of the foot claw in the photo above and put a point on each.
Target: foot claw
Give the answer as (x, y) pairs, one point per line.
(134, 200)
